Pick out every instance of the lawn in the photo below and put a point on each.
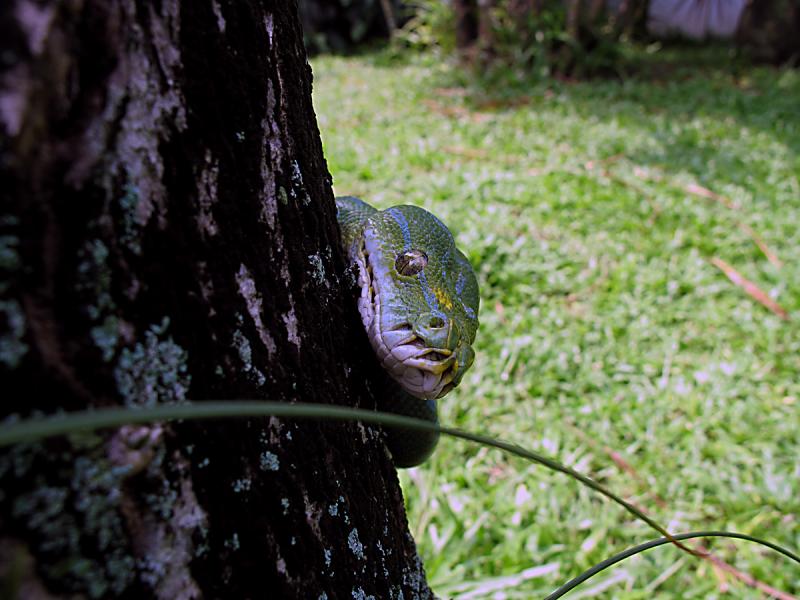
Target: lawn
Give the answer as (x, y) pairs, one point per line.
(601, 218)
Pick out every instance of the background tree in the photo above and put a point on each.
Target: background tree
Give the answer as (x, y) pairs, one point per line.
(568, 36)
(340, 25)
(169, 232)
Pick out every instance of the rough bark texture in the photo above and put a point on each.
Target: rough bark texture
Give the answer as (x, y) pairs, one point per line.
(168, 232)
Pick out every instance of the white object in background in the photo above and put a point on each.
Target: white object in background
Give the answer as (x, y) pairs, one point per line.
(696, 19)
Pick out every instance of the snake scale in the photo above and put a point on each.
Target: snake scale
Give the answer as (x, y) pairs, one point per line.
(419, 305)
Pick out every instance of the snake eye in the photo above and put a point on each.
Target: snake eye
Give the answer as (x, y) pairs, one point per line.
(411, 262)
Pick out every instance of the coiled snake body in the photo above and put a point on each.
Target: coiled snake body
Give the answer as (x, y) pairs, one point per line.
(419, 304)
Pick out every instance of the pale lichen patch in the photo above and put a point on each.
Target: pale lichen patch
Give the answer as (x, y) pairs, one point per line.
(280, 564)
(232, 543)
(66, 517)
(9, 246)
(298, 187)
(94, 282)
(247, 289)
(290, 320)
(243, 484)
(131, 230)
(14, 98)
(359, 594)
(94, 278)
(318, 269)
(133, 447)
(413, 576)
(221, 24)
(271, 159)
(106, 337)
(36, 22)
(268, 461)
(13, 347)
(313, 515)
(269, 26)
(167, 546)
(154, 370)
(355, 545)
(242, 346)
(143, 89)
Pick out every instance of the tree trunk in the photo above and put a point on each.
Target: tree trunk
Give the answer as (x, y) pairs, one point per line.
(485, 33)
(573, 18)
(168, 232)
(465, 12)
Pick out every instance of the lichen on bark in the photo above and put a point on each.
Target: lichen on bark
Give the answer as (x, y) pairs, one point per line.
(170, 234)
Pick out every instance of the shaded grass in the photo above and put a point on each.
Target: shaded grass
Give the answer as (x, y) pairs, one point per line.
(601, 312)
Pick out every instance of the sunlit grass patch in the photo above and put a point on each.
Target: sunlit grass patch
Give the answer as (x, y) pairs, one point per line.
(608, 336)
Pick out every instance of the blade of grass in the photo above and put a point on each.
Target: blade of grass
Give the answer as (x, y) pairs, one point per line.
(601, 566)
(37, 428)
(750, 288)
(719, 566)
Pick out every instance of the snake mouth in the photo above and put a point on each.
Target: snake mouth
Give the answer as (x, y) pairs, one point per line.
(422, 371)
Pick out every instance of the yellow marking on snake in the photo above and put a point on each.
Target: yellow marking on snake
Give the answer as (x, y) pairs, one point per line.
(443, 298)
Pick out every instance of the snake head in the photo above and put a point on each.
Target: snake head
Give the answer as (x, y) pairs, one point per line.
(419, 299)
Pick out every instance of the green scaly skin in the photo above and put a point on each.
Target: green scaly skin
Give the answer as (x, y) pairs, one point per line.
(419, 304)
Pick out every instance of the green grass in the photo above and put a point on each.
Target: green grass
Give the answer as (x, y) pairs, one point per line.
(604, 325)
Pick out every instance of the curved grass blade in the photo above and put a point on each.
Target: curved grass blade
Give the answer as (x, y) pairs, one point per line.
(66, 423)
(601, 566)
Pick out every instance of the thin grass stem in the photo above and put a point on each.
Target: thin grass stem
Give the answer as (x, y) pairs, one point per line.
(601, 566)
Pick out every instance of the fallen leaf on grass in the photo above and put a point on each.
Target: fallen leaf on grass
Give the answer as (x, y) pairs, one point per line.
(746, 578)
(750, 288)
(452, 92)
(690, 188)
(473, 153)
(591, 164)
(457, 111)
(704, 192)
(771, 256)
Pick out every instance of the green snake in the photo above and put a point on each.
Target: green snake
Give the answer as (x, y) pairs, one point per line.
(419, 305)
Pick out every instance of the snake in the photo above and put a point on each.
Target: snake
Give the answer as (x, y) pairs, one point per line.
(418, 299)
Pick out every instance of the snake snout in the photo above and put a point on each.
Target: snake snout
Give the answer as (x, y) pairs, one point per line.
(435, 329)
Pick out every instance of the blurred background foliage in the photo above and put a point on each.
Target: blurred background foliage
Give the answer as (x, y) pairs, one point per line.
(342, 25)
(577, 38)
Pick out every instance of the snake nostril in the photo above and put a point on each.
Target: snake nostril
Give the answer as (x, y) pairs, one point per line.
(434, 329)
(436, 322)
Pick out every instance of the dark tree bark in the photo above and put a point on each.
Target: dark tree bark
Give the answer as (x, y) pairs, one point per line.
(630, 18)
(466, 23)
(168, 232)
